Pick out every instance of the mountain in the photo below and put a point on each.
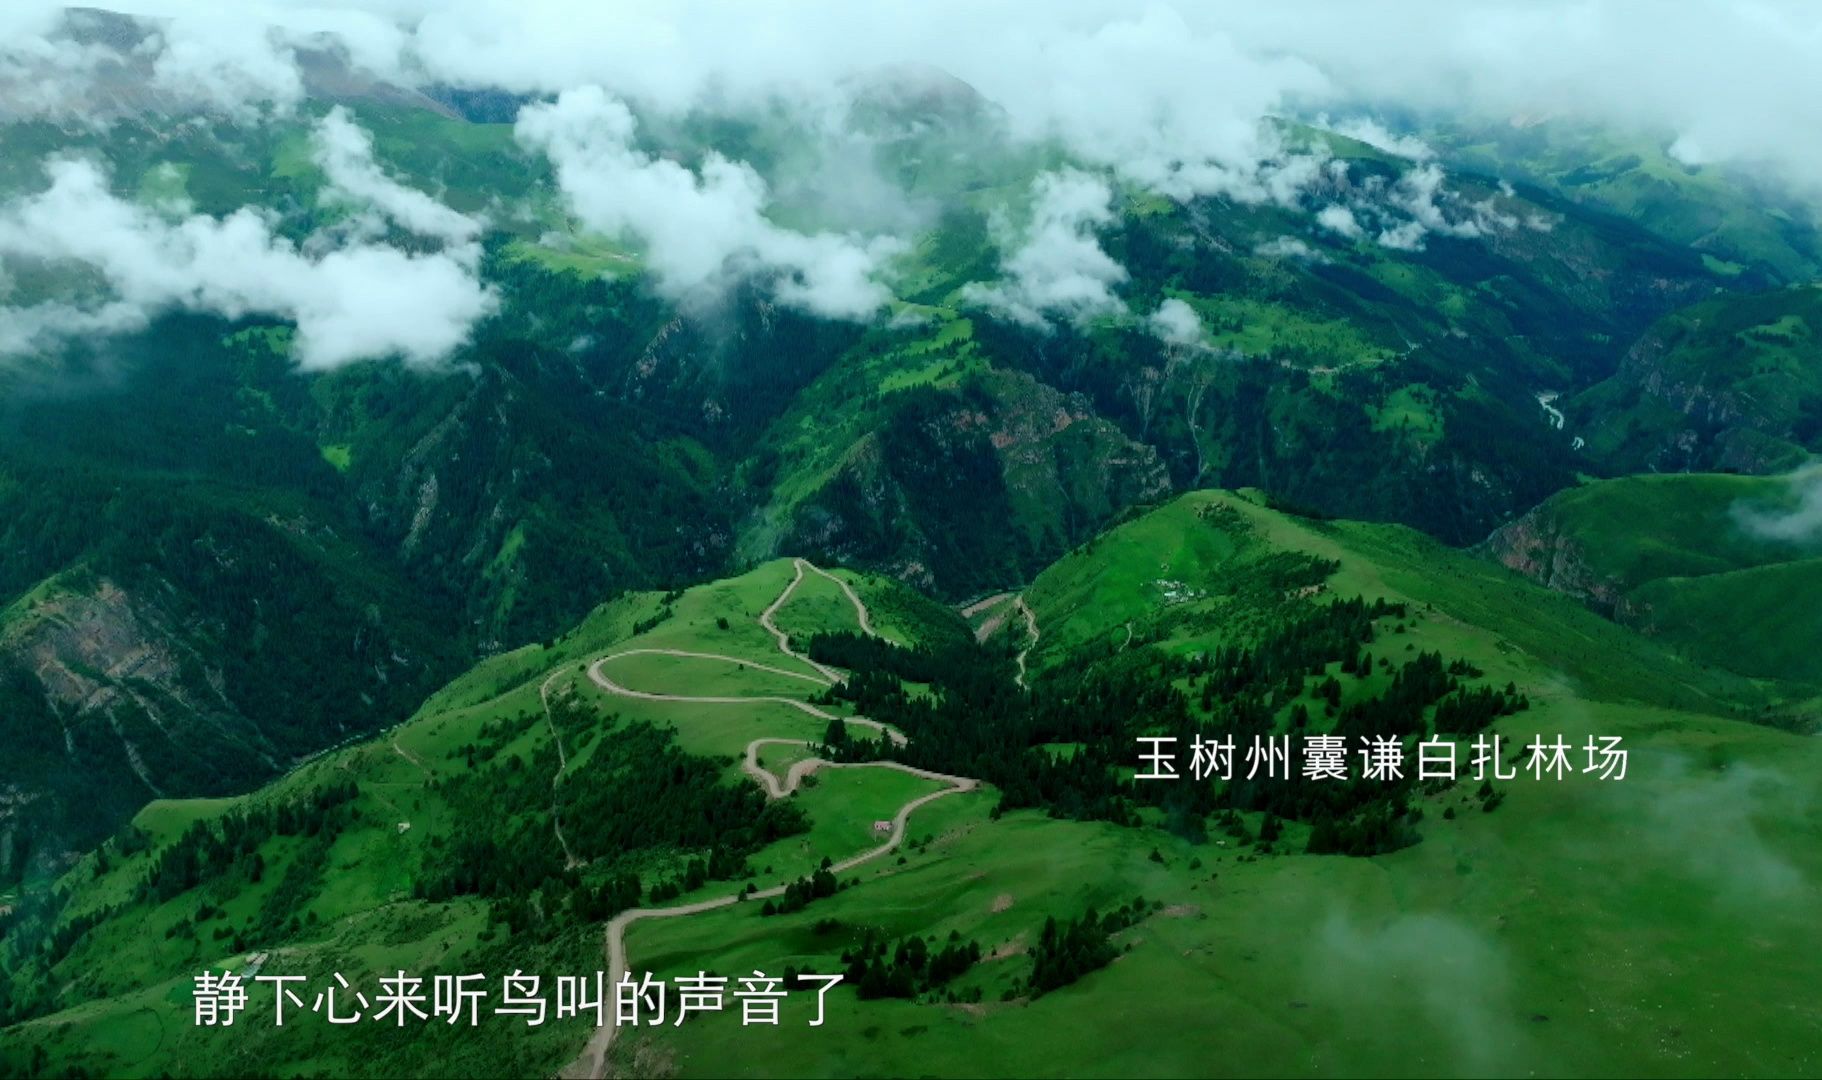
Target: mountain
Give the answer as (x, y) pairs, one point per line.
(224, 557)
(533, 798)
(713, 491)
(1713, 574)
(598, 435)
(1741, 224)
(1728, 384)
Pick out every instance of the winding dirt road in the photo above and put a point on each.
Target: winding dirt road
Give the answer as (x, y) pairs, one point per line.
(784, 640)
(1031, 633)
(860, 609)
(600, 679)
(593, 1061)
(556, 815)
(994, 622)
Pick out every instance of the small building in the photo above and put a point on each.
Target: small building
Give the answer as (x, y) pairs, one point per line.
(882, 826)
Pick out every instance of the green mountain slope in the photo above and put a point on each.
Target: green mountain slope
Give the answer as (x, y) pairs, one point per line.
(1174, 580)
(1745, 226)
(504, 823)
(1733, 383)
(597, 436)
(1679, 557)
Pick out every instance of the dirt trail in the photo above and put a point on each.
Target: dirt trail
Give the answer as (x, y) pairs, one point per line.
(408, 755)
(1553, 415)
(1031, 632)
(556, 815)
(983, 604)
(800, 769)
(783, 639)
(593, 1061)
(599, 679)
(860, 609)
(754, 664)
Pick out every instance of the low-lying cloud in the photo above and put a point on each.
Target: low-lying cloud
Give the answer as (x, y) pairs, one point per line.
(1176, 323)
(1170, 94)
(1798, 523)
(701, 230)
(1056, 266)
(238, 66)
(344, 151)
(1433, 968)
(1375, 134)
(361, 300)
(1732, 830)
(1289, 247)
(1340, 220)
(1175, 99)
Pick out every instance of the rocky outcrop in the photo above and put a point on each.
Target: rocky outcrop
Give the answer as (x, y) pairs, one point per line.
(978, 487)
(103, 694)
(1536, 546)
(1729, 384)
(100, 653)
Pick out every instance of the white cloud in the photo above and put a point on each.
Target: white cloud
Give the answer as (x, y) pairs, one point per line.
(1288, 247)
(1404, 236)
(1733, 82)
(1798, 523)
(239, 59)
(1163, 98)
(1370, 131)
(1162, 95)
(1176, 323)
(1411, 209)
(1416, 193)
(1057, 266)
(702, 230)
(41, 71)
(235, 65)
(1170, 95)
(26, 330)
(1339, 219)
(356, 302)
(345, 153)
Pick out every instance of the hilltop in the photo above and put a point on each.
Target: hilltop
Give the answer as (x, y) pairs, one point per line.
(596, 437)
(1728, 384)
(1709, 574)
(520, 808)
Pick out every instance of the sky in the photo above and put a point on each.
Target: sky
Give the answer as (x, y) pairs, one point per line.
(1170, 98)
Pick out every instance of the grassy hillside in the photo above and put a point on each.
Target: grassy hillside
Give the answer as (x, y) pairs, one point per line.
(1573, 930)
(598, 435)
(1730, 383)
(1702, 577)
(1575, 925)
(1214, 565)
(1745, 227)
(351, 889)
(1578, 927)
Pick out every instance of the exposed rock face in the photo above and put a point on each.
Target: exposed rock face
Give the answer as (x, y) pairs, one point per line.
(112, 695)
(1712, 409)
(966, 490)
(122, 52)
(100, 652)
(1729, 384)
(103, 695)
(1536, 546)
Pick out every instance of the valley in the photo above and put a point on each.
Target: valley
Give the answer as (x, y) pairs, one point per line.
(1489, 890)
(613, 496)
